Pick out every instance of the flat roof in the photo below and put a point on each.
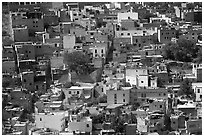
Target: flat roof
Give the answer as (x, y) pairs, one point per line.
(112, 106)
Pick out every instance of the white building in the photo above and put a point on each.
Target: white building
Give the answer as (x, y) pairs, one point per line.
(54, 120)
(127, 15)
(69, 41)
(197, 88)
(138, 77)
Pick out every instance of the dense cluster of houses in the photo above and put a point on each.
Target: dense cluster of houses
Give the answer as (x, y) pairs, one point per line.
(131, 91)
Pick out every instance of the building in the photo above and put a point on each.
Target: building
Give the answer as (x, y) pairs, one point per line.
(21, 97)
(54, 120)
(27, 79)
(194, 126)
(188, 108)
(197, 88)
(142, 95)
(166, 34)
(99, 50)
(83, 125)
(137, 76)
(177, 122)
(159, 105)
(128, 15)
(69, 42)
(34, 25)
(121, 96)
(21, 34)
(8, 66)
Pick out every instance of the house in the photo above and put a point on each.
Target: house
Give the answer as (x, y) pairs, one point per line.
(159, 105)
(194, 126)
(8, 67)
(69, 41)
(166, 34)
(130, 129)
(27, 79)
(33, 24)
(177, 122)
(142, 95)
(127, 15)
(8, 52)
(83, 125)
(188, 108)
(156, 122)
(21, 97)
(25, 51)
(21, 34)
(197, 88)
(137, 76)
(119, 96)
(99, 49)
(46, 120)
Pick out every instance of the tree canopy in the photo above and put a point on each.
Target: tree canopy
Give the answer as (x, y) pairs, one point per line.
(79, 62)
(186, 89)
(184, 50)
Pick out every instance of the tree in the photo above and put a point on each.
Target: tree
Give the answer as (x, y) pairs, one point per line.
(184, 50)
(186, 89)
(79, 62)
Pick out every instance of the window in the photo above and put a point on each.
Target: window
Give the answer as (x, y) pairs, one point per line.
(123, 100)
(40, 119)
(30, 84)
(121, 34)
(87, 125)
(95, 50)
(24, 80)
(27, 3)
(101, 50)
(142, 81)
(115, 96)
(160, 106)
(77, 92)
(128, 34)
(91, 33)
(136, 40)
(21, 3)
(70, 92)
(164, 94)
(123, 95)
